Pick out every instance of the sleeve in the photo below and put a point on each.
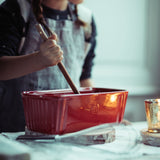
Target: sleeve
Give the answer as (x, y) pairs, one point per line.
(11, 28)
(88, 63)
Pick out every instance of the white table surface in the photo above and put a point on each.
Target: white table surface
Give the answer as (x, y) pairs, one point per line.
(126, 146)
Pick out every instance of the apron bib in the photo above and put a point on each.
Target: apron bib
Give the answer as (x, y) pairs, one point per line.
(71, 40)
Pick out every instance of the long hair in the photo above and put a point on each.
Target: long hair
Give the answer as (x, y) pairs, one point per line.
(78, 21)
(38, 12)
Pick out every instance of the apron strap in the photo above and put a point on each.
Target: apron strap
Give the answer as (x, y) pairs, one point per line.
(25, 7)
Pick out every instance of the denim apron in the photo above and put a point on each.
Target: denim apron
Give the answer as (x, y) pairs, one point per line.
(71, 39)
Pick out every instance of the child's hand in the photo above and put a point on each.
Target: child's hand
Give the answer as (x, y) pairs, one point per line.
(50, 53)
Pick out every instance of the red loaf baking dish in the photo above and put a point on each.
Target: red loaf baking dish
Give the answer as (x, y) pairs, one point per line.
(62, 111)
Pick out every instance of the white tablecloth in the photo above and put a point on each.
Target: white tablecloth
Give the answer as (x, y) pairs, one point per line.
(126, 146)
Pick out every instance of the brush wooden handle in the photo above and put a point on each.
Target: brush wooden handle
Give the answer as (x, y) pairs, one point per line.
(60, 64)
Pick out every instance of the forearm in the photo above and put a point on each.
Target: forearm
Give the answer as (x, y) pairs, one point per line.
(50, 54)
(17, 66)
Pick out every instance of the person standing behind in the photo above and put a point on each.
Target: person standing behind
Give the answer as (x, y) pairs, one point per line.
(29, 63)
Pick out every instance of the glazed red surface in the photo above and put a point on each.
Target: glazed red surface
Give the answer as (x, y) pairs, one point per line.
(61, 111)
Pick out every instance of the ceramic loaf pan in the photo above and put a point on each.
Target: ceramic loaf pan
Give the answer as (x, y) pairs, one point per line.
(62, 111)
